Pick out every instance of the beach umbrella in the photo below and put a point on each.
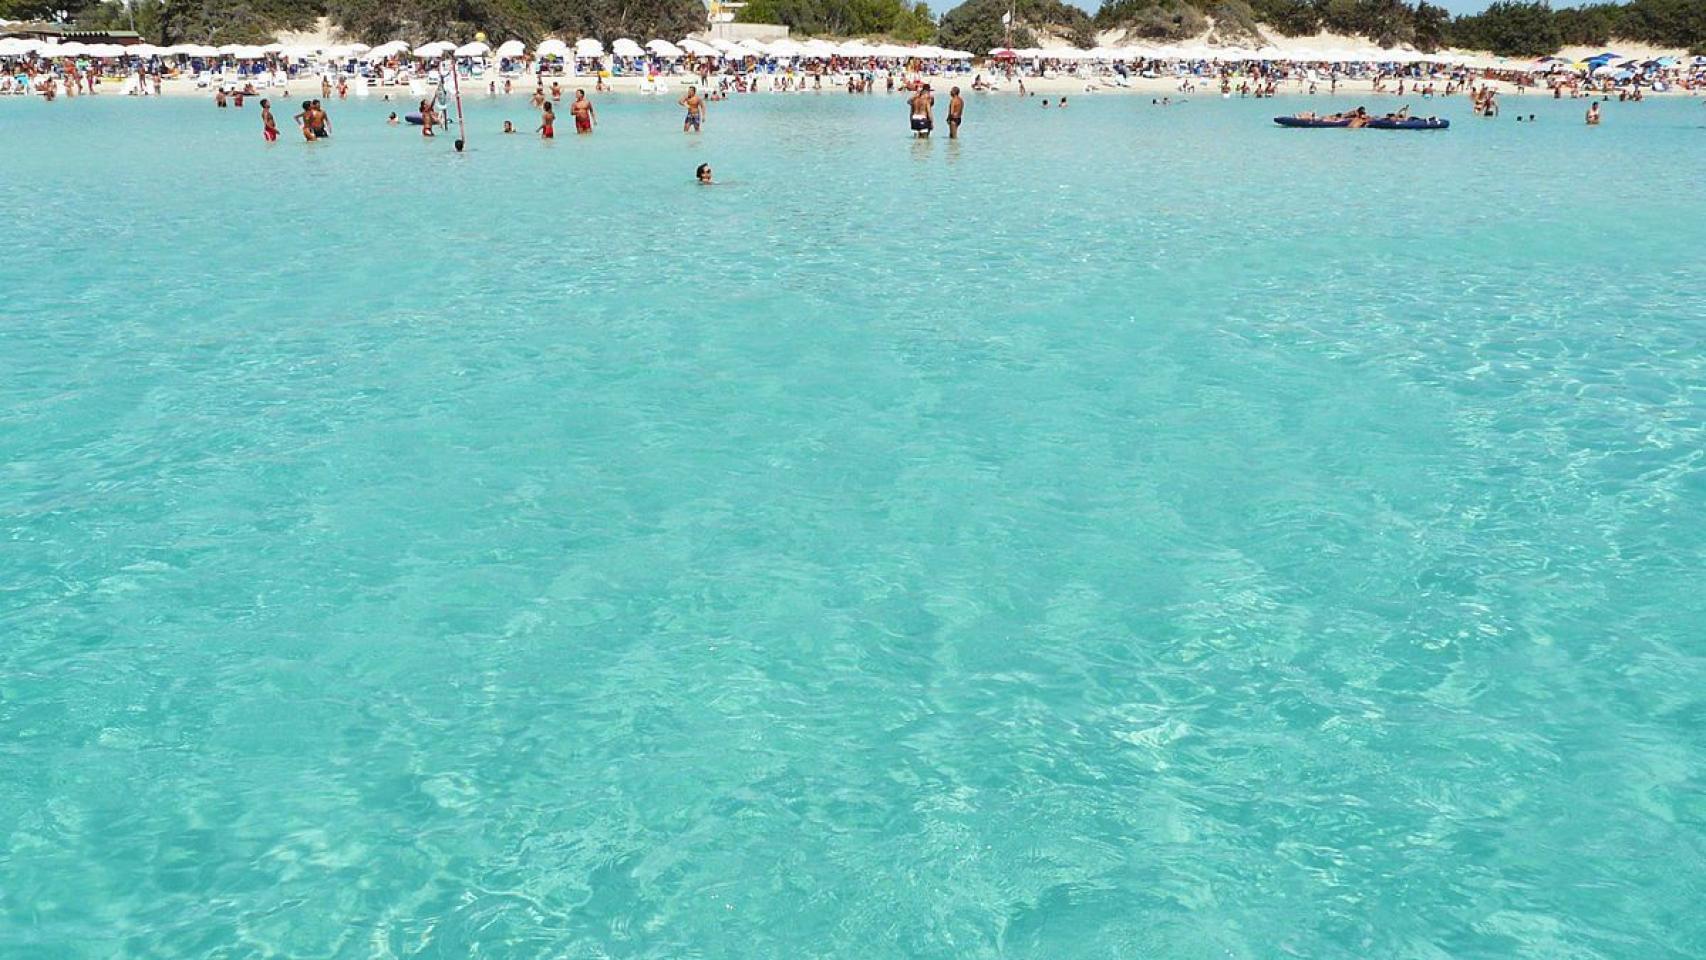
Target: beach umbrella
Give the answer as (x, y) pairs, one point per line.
(700, 48)
(624, 47)
(786, 48)
(437, 48)
(475, 49)
(142, 50)
(389, 49)
(511, 48)
(588, 47)
(552, 48)
(664, 49)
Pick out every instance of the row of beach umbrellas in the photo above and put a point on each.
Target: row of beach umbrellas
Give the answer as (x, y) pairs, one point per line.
(1607, 63)
(1198, 51)
(586, 47)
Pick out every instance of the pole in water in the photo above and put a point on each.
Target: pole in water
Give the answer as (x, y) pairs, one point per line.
(461, 126)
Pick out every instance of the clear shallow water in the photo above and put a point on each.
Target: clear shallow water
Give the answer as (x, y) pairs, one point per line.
(1126, 533)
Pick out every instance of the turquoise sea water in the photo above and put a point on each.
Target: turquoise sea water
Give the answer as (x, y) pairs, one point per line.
(1126, 533)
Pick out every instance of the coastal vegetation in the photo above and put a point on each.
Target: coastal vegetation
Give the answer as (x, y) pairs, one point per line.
(1522, 28)
(908, 23)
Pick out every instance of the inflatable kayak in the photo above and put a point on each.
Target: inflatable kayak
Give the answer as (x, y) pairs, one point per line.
(1413, 123)
(1310, 122)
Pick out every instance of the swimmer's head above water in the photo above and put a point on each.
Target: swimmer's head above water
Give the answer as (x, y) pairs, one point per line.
(703, 174)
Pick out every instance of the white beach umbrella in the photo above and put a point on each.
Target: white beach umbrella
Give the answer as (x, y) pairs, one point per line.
(700, 48)
(475, 49)
(511, 48)
(663, 48)
(786, 48)
(389, 49)
(437, 48)
(552, 48)
(818, 48)
(624, 47)
(142, 50)
(588, 47)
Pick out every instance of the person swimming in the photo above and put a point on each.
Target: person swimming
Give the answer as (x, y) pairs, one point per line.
(703, 174)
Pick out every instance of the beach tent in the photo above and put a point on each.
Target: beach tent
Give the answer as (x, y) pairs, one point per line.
(624, 47)
(511, 49)
(475, 49)
(663, 49)
(588, 47)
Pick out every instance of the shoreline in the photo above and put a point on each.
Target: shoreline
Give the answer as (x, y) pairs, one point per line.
(674, 86)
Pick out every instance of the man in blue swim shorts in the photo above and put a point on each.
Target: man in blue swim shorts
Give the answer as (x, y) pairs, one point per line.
(695, 111)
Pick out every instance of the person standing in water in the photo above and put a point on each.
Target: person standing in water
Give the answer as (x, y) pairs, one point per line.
(956, 112)
(269, 127)
(921, 103)
(1593, 114)
(548, 123)
(305, 120)
(581, 110)
(695, 105)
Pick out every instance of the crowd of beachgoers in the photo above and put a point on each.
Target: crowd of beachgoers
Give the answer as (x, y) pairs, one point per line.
(725, 67)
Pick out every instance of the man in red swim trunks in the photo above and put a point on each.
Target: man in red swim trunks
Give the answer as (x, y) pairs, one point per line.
(582, 111)
(548, 123)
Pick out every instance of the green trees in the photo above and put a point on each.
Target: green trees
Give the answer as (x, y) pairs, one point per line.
(1152, 19)
(1511, 28)
(893, 18)
(1519, 28)
(976, 24)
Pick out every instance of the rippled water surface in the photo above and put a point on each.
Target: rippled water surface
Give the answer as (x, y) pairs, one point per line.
(1129, 532)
